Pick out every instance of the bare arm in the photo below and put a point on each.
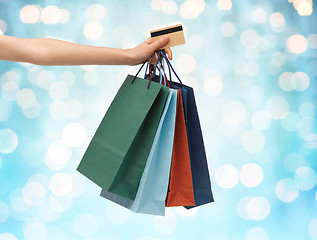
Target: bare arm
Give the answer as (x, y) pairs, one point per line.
(45, 51)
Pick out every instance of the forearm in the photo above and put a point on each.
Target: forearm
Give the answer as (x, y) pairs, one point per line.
(44, 51)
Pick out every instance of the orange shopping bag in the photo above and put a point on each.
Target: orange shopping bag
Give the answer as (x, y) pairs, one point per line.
(180, 188)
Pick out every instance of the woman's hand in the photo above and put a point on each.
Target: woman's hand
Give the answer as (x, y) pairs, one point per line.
(145, 51)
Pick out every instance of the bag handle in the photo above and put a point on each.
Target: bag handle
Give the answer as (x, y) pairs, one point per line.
(170, 67)
(148, 86)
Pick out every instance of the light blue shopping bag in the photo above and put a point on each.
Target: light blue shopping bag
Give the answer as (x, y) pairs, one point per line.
(151, 194)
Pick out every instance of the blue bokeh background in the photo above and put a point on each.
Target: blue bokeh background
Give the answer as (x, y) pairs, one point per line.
(253, 65)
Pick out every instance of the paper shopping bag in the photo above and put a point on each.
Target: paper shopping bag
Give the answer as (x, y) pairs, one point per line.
(201, 179)
(151, 194)
(180, 189)
(117, 154)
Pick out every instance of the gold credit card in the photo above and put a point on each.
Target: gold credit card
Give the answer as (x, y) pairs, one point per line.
(175, 33)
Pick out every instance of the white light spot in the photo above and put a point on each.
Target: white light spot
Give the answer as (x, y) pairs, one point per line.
(34, 194)
(285, 81)
(228, 29)
(95, 12)
(305, 127)
(213, 86)
(256, 233)
(33, 111)
(26, 98)
(61, 184)
(305, 178)
(297, 44)
(5, 110)
(10, 90)
(74, 109)
(93, 30)
(253, 141)
(234, 113)
(250, 38)
(169, 7)
(8, 141)
(45, 79)
(59, 110)
(191, 9)
(30, 14)
(277, 22)
(312, 228)
(278, 107)
(300, 81)
(64, 16)
(35, 231)
(286, 190)
(312, 40)
(57, 155)
(165, 225)
(252, 68)
(68, 78)
(60, 204)
(7, 236)
(186, 64)
(259, 16)
(261, 120)
(305, 8)
(258, 208)
(306, 109)
(251, 175)
(74, 134)
(51, 15)
(58, 91)
(91, 77)
(224, 4)
(3, 26)
(290, 122)
(226, 176)
(4, 213)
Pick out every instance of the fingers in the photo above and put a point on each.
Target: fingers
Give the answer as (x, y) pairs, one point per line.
(169, 53)
(159, 43)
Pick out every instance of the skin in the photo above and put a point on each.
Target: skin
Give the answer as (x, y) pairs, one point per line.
(52, 52)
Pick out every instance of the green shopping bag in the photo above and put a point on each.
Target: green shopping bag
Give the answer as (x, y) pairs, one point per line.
(117, 154)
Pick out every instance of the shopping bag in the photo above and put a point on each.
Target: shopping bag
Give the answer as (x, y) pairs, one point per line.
(117, 154)
(151, 194)
(180, 189)
(201, 179)
(200, 173)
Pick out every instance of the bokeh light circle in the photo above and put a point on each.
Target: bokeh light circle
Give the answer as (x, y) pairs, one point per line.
(228, 29)
(35, 231)
(34, 193)
(312, 228)
(74, 134)
(4, 212)
(186, 64)
(10, 90)
(278, 107)
(5, 110)
(61, 184)
(305, 178)
(234, 113)
(250, 38)
(290, 122)
(213, 86)
(7, 236)
(251, 175)
(256, 233)
(30, 14)
(226, 176)
(286, 190)
(259, 16)
(26, 98)
(8, 141)
(297, 44)
(93, 30)
(96, 12)
(58, 91)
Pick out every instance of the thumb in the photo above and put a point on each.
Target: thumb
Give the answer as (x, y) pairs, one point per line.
(160, 43)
